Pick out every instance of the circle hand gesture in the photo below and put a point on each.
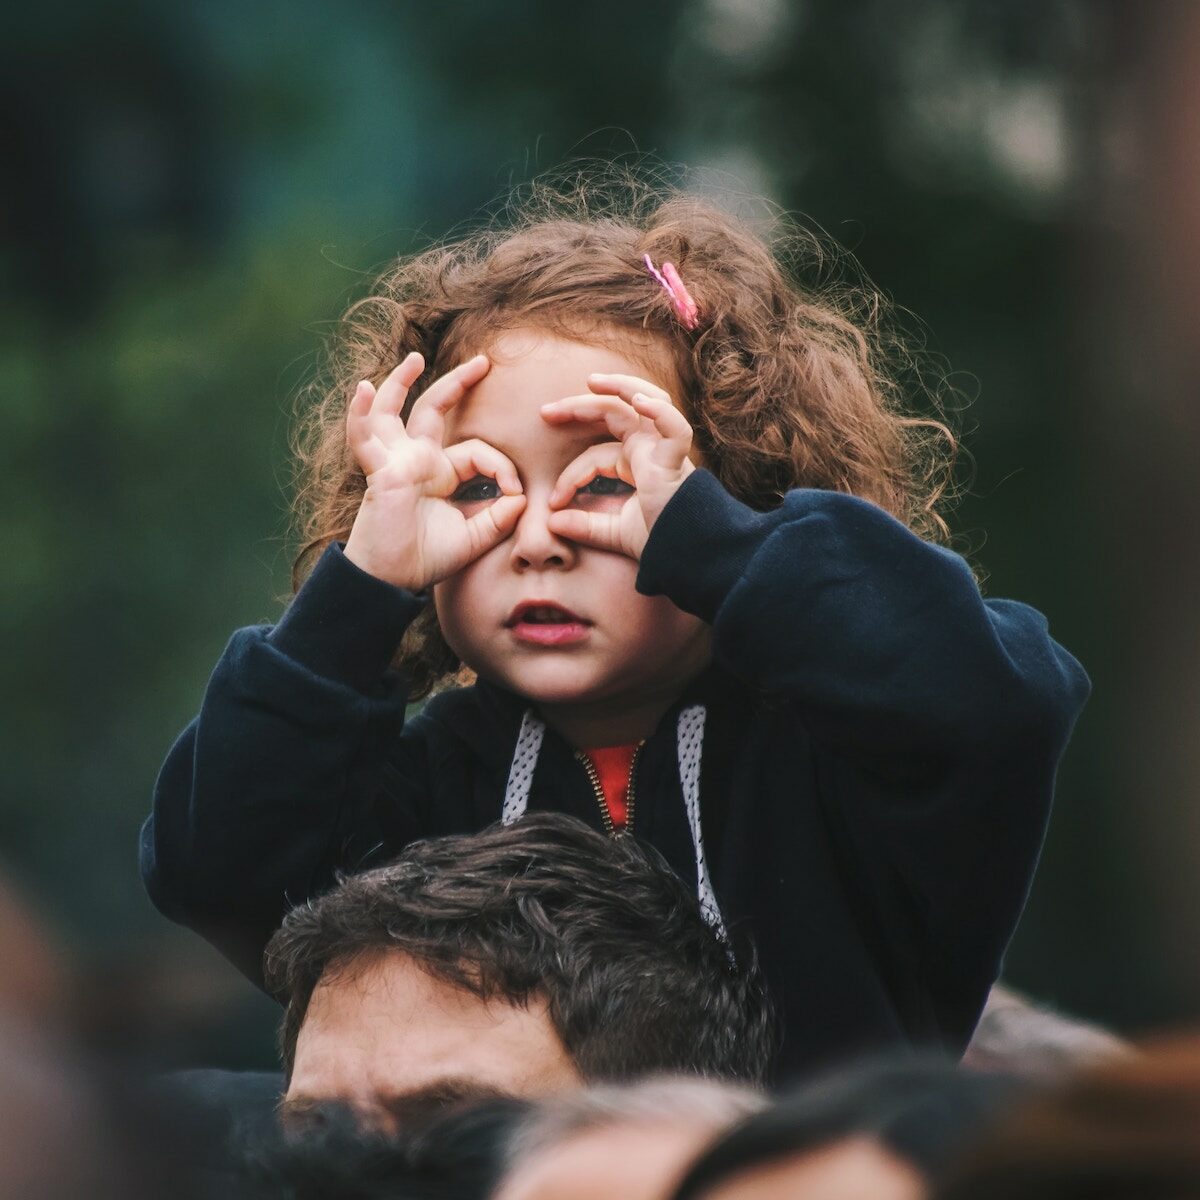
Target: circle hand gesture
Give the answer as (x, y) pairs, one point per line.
(408, 530)
(650, 453)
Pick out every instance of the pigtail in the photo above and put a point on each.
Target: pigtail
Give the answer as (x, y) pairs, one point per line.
(798, 384)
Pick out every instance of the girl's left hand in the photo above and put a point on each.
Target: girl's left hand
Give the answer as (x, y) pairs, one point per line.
(650, 454)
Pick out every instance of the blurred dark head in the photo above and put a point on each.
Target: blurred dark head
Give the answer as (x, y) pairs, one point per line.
(628, 1140)
(885, 1128)
(1130, 1128)
(333, 1157)
(520, 960)
(1031, 1040)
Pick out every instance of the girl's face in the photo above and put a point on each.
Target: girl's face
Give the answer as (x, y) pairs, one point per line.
(621, 650)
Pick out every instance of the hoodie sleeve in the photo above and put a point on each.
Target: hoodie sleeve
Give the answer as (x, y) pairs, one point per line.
(271, 789)
(882, 640)
(939, 717)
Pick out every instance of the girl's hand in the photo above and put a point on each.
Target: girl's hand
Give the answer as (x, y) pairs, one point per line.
(647, 463)
(419, 522)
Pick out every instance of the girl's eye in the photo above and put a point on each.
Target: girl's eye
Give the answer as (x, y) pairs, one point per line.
(605, 485)
(475, 490)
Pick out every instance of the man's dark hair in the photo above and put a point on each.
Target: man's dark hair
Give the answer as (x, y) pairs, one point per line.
(635, 981)
(921, 1110)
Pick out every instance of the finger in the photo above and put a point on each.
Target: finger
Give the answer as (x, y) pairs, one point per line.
(389, 401)
(625, 386)
(491, 526)
(672, 426)
(604, 459)
(368, 450)
(599, 530)
(428, 416)
(475, 457)
(618, 417)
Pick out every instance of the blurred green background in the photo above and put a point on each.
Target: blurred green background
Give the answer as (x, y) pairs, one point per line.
(195, 192)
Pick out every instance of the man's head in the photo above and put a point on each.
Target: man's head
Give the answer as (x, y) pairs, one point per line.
(519, 960)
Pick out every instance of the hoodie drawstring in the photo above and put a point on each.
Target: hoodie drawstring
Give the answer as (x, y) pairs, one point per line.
(524, 762)
(689, 748)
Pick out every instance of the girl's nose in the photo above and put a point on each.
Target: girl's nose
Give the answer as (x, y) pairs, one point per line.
(534, 546)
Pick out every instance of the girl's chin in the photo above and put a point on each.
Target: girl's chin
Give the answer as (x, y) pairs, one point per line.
(551, 684)
(552, 694)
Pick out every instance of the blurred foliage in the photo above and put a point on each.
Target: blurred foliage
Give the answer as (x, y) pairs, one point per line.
(204, 188)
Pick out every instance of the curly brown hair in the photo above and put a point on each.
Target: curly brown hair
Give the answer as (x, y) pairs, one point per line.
(793, 377)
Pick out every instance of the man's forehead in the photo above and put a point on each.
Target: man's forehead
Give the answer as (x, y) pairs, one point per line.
(384, 1026)
(390, 984)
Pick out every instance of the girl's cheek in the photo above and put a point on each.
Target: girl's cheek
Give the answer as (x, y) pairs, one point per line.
(446, 600)
(457, 599)
(451, 619)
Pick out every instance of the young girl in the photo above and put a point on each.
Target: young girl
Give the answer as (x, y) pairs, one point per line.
(677, 525)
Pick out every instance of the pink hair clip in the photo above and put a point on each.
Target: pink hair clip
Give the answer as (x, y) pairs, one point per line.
(681, 298)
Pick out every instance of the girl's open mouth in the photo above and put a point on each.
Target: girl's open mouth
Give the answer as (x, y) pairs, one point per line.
(545, 624)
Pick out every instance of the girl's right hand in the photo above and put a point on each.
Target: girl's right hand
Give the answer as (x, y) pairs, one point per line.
(409, 530)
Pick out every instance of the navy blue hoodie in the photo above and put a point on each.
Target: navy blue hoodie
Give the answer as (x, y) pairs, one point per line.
(878, 763)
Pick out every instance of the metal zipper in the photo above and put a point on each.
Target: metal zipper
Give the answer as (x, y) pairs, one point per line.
(593, 775)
